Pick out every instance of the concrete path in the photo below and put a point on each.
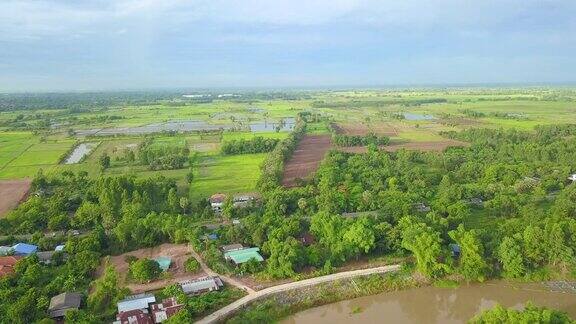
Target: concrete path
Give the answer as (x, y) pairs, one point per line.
(226, 311)
(212, 273)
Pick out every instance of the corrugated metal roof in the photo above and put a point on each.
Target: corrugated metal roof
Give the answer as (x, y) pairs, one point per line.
(241, 256)
(199, 285)
(140, 301)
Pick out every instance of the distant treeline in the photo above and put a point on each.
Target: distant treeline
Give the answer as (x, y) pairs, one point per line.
(360, 140)
(78, 102)
(377, 103)
(257, 144)
(478, 114)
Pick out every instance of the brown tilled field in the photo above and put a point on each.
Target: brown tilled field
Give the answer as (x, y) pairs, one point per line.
(436, 146)
(306, 158)
(12, 192)
(360, 129)
(179, 253)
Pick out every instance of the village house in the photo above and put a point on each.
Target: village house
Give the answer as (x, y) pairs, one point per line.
(217, 202)
(62, 303)
(7, 264)
(201, 285)
(136, 316)
(139, 301)
(243, 255)
(572, 177)
(164, 310)
(244, 200)
(135, 309)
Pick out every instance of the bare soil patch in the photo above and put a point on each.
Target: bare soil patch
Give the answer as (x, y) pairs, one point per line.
(13, 192)
(179, 253)
(433, 146)
(306, 158)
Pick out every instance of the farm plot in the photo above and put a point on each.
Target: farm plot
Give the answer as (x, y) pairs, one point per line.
(12, 193)
(306, 158)
(431, 146)
(360, 129)
(178, 253)
(225, 174)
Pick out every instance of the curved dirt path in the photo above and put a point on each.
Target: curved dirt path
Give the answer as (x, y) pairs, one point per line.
(226, 279)
(224, 312)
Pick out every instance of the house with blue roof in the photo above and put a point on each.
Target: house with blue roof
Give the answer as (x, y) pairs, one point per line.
(24, 249)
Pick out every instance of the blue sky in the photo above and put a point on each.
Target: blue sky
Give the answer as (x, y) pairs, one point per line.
(132, 44)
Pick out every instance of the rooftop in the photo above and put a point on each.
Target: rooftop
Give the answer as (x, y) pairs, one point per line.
(164, 262)
(61, 303)
(244, 255)
(140, 301)
(24, 248)
(200, 285)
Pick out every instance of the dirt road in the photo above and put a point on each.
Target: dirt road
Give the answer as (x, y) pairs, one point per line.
(224, 278)
(225, 312)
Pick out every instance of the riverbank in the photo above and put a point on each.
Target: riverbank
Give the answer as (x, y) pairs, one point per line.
(283, 304)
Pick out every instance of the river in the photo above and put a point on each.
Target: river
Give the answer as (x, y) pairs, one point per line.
(435, 305)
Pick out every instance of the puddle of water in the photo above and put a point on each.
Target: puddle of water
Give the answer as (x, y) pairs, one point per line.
(79, 152)
(413, 116)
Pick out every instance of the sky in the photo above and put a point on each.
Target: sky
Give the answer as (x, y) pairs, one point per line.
(60, 45)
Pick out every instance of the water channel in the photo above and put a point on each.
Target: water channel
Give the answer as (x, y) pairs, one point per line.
(435, 305)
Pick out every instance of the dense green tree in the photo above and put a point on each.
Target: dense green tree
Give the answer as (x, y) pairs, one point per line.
(145, 270)
(472, 262)
(426, 245)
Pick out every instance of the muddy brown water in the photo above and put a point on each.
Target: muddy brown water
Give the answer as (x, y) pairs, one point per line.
(435, 305)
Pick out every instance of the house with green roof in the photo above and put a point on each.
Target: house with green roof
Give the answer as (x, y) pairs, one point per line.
(164, 262)
(243, 255)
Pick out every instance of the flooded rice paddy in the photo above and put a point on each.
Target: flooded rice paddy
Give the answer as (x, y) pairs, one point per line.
(80, 152)
(284, 125)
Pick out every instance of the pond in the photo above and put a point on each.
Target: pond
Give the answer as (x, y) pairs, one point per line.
(414, 116)
(80, 152)
(435, 305)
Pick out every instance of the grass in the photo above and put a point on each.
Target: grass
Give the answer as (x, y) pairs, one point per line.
(225, 174)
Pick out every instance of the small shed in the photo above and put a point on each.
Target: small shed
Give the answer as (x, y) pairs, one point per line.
(164, 262)
(572, 177)
(243, 255)
(59, 247)
(61, 303)
(24, 249)
(455, 250)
